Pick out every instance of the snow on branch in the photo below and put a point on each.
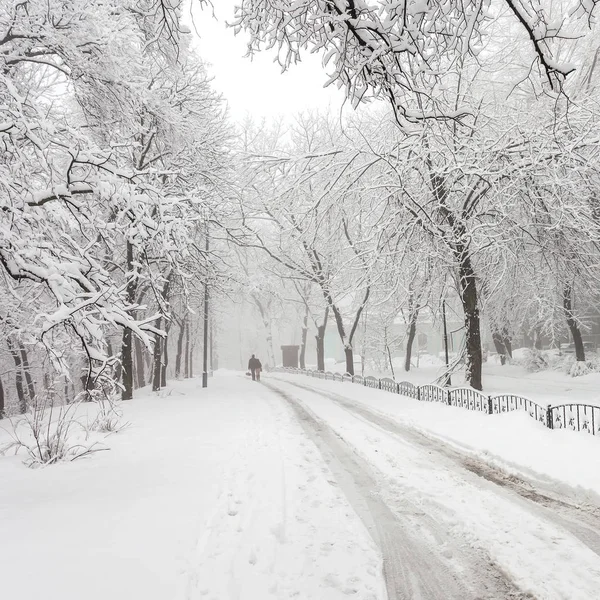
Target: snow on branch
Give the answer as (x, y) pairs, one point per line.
(395, 49)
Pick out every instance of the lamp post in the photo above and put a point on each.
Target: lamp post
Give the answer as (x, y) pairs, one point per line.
(205, 349)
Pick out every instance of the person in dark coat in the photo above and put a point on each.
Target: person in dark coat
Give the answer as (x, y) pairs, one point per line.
(255, 367)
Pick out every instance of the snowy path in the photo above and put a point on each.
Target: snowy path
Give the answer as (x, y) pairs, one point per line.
(465, 529)
(281, 528)
(211, 494)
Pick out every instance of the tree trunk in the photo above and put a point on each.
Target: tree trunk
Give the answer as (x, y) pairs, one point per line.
(467, 283)
(179, 353)
(27, 372)
(320, 337)
(303, 341)
(165, 357)
(507, 342)
(499, 345)
(192, 360)
(412, 331)
(156, 366)
(18, 376)
(349, 360)
(127, 341)
(342, 333)
(389, 355)
(187, 349)
(469, 298)
(572, 323)
(1, 400)
(160, 344)
(140, 373)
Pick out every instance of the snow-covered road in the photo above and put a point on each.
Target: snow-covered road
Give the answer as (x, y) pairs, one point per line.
(448, 525)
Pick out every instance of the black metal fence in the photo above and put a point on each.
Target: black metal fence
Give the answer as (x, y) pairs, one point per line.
(577, 417)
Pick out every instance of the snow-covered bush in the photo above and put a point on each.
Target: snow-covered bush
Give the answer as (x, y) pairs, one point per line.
(49, 433)
(109, 418)
(533, 360)
(579, 368)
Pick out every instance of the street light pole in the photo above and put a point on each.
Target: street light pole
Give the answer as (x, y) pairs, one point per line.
(205, 353)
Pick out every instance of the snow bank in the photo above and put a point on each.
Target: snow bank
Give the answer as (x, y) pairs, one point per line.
(513, 441)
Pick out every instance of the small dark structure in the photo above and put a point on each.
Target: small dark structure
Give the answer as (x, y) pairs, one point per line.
(290, 356)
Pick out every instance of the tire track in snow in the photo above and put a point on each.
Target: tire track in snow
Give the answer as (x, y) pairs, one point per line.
(410, 540)
(581, 520)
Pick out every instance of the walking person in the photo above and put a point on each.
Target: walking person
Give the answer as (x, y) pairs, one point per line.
(255, 367)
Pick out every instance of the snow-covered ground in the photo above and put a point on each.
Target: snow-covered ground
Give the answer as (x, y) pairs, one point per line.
(211, 494)
(307, 489)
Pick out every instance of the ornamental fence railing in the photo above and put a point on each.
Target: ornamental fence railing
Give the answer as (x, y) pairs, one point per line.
(578, 417)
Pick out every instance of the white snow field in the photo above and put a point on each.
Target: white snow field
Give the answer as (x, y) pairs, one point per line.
(307, 489)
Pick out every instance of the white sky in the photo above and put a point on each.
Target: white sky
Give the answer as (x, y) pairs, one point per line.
(256, 86)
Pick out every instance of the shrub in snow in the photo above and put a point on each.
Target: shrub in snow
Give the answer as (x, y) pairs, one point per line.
(580, 368)
(50, 433)
(108, 419)
(533, 360)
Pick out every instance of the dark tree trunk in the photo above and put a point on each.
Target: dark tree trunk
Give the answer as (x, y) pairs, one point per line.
(342, 332)
(320, 337)
(18, 376)
(140, 374)
(349, 360)
(303, 341)
(160, 345)
(572, 323)
(507, 343)
(179, 353)
(27, 372)
(413, 315)
(87, 383)
(499, 345)
(165, 358)
(156, 366)
(412, 331)
(1, 400)
(389, 355)
(467, 283)
(192, 360)
(127, 341)
(469, 298)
